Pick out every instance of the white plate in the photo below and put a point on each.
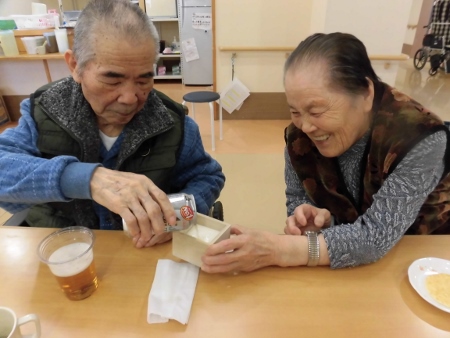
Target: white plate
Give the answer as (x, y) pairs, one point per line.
(420, 269)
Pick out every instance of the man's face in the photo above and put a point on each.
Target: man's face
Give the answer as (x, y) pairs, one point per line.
(117, 82)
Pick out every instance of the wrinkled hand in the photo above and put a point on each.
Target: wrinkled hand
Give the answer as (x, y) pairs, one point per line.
(137, 200)
(307, 217)
(248, 251)
(158, 239)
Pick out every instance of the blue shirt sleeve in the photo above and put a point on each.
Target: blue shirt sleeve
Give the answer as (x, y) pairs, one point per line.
(27, 179)
(196, 172)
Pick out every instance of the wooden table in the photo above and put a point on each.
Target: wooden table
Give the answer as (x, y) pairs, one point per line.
(376, 300)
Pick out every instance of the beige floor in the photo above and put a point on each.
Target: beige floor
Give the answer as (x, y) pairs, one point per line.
(251, 152)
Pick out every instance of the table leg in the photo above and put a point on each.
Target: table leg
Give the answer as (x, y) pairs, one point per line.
(47, 71)
(211, 113)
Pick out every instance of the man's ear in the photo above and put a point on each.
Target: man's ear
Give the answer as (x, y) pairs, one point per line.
(72, 64)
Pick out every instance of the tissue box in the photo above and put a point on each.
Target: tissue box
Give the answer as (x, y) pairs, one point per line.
(208, 231)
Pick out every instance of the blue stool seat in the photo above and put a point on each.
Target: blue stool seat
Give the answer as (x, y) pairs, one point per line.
(206, 97)
(201, 97)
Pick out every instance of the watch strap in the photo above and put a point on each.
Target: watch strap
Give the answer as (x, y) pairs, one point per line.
(313, 248)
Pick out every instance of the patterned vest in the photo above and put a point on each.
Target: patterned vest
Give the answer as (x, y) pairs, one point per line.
(399, 123)
(67, 126)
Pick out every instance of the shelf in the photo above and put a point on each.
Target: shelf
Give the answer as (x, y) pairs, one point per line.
(163, 19)
(29, 57)
(36, 57)
(168, 77)
(169, 56)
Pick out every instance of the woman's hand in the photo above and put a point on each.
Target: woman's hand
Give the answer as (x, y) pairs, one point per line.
(248, 251)
(307, 217)
(137, 200)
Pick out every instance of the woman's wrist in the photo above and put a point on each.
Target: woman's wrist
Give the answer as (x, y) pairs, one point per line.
(291, 250)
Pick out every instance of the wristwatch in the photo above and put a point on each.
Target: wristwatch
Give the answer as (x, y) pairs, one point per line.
(313, 248)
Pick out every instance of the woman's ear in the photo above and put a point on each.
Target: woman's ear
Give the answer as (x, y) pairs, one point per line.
(72, 64)
(369, 95)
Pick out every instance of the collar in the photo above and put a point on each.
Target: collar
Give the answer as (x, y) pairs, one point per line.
(65, 104)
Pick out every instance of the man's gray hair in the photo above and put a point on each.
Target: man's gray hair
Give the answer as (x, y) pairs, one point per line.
(117, 18)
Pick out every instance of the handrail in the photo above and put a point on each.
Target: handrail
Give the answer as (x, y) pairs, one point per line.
(256, 49)
(382, 57)
(400, 57)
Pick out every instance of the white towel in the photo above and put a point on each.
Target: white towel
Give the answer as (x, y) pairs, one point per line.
(172, 292)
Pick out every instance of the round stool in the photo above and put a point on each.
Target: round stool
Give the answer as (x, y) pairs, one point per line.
(206, 97)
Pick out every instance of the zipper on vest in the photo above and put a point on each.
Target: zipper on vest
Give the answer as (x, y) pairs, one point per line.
(119, 164)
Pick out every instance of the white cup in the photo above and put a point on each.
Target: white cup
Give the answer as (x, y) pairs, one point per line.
(8, 43)
(31, 42)
(41, 50)
(38, 8)
(10, 324)
(62, 40)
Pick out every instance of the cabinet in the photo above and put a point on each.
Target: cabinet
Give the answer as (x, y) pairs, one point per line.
(168, 29)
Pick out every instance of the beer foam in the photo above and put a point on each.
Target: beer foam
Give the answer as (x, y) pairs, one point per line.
(203, 233)
(66, 253)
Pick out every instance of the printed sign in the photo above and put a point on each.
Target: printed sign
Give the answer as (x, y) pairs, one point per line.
(202, 21)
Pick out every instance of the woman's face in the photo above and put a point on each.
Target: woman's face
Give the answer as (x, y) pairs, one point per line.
(334, 120)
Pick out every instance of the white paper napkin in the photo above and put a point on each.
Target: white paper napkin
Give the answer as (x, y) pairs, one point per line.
(172, 292)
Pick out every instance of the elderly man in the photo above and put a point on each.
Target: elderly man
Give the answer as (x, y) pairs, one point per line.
(103, 145)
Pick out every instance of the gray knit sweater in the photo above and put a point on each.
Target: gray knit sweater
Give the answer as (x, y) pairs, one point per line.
(394, 208)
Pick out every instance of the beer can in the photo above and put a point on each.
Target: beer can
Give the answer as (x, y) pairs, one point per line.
(185, 210)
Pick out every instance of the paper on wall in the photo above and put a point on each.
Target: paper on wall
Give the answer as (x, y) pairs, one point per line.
(234, 95)
(190, 51)
(202, 21)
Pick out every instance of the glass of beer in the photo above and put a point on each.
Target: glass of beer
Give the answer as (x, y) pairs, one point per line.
(69, 255)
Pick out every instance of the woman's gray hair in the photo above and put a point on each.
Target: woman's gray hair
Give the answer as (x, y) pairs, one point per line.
(118, 18)
(346, 56)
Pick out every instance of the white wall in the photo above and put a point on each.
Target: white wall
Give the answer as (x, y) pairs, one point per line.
(68, 5)
(10, 7)
(380, 25)
(258, 23)
(24, 77)
(318, 16)
(413, 20)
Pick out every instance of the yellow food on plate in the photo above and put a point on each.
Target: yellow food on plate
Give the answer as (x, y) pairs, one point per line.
(439, 288)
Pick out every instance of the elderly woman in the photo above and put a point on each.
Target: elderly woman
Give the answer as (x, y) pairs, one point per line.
(365, 164)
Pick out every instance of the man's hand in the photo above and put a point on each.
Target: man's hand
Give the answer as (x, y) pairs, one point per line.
(307, 217)
(137, 200)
